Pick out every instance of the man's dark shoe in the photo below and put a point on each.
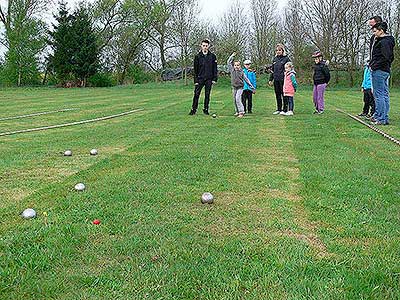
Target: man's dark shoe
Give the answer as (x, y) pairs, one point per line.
(192, 112)
(205, 111)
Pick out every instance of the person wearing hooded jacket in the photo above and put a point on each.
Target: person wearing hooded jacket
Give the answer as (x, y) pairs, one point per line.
(382, 57)
(277, 77)
(321, 78)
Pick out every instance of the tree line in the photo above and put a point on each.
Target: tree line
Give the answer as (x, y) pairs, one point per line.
(110, 42)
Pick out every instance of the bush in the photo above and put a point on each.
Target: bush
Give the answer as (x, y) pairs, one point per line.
(101, 80)
(137, 74)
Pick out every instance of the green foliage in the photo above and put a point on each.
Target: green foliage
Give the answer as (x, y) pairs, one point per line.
(137, 74)
(75, 46)
(102, 79)
(25, 42)
(86, 53)
(62, 42)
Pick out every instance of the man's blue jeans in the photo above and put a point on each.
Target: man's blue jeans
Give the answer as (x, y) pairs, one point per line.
(380, 86)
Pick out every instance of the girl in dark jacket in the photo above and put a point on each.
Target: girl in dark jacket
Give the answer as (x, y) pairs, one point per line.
(321, 79)
(278, 76)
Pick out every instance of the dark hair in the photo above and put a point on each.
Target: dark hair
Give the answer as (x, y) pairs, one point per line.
(205, 41)
(381, 26)
(378, 19)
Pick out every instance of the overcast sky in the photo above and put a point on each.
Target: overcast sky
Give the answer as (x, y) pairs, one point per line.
(212, 9)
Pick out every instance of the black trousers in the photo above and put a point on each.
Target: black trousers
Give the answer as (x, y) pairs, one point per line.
(278, 87)
(369, 102)
(197, 91)
(247, 98)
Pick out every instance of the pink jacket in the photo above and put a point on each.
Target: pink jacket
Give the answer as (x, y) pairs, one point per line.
(289, 84)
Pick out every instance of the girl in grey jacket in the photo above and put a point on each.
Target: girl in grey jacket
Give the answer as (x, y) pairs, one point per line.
(237, 81)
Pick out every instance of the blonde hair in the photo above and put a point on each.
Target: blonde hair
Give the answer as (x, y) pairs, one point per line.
(290, 65)
(282, 47)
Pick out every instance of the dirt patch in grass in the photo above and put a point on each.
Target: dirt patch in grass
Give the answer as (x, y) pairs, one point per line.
(311, 239)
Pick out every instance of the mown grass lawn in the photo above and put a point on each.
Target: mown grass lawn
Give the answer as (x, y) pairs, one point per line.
(306, 207)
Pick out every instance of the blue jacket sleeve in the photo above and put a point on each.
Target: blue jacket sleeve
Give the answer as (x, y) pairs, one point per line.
(366, 84)
(253, 80)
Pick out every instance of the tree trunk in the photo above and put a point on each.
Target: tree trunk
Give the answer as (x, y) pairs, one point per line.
(45, 77)
(162, 52)
(19, 77)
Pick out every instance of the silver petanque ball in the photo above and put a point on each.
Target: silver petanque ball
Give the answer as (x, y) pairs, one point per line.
(80, 187)
(207, 198)
(28, 213)
(93, 152)
(68, 153)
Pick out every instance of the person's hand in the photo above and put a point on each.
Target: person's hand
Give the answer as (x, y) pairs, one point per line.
(270, 83)
(234, 54)
(362, 89)
(196, 83)
(254, 91)
(213, 82)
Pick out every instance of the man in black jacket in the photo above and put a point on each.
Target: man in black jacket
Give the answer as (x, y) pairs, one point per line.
(372, 22)
(205, 75)
(382, 57)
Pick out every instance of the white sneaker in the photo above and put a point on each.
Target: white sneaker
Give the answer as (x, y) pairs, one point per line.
(289, 113)
(276, 112)
(282, 113)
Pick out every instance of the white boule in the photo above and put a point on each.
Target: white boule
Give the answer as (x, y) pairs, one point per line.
(28, 213)
(93, 152)
(207, 198)
(80, 187)
(214, 115)
(68, 153)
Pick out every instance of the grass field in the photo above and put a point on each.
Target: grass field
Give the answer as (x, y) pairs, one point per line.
(306, 207)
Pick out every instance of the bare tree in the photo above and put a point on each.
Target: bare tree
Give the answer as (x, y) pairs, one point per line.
(352, 36)
(184, 24)
(264, 30)
(161, 35)
(295, 35)
(233, 31)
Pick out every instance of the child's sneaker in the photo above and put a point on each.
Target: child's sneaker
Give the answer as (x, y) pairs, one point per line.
(277, 112)
(240, 115)
(236, 114)
(315, 112)
(282, 113)
(320, 112)
(289, 113)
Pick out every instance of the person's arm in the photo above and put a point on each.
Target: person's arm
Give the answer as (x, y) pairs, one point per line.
(253, 79)
(327, 73)
(196, 69)
(294, 82)
(387, 51)
(230, 62)
(271, 77)
(364, 83)
(248, 82)
(215, 70)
